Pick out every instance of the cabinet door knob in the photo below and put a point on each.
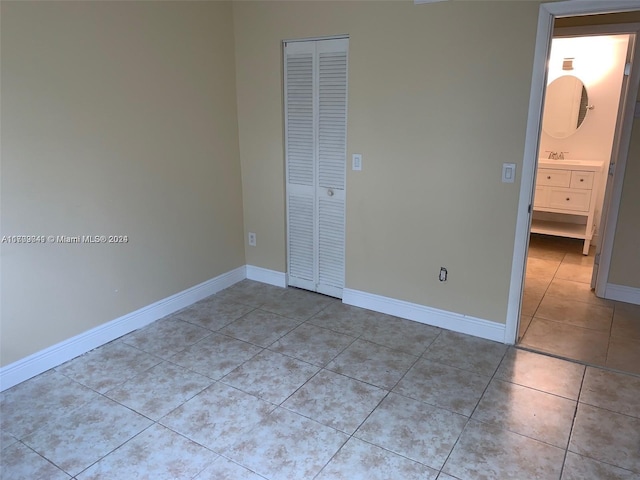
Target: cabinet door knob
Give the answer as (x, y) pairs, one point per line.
(568, 199)
(548, 177)
(582, 179)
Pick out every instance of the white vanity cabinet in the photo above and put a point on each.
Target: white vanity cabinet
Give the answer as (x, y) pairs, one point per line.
(567, 187)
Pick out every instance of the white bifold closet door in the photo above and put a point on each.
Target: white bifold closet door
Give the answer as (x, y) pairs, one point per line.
(315, 94)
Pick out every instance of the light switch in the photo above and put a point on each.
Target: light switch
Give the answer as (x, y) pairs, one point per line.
(508, 172)
(356, 161)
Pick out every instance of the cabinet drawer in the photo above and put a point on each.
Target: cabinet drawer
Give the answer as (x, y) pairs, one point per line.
(541, 197)
(554, 178)
(582, 180)
(570, 199)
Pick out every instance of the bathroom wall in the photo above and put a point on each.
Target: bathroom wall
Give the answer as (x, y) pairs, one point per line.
(599, 62)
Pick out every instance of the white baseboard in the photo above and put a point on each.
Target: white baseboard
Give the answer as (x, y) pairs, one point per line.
(55, 355)
(427, 315)
(264, 275)
(622, 293)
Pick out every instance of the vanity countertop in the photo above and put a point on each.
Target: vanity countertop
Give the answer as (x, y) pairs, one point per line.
(590, 165)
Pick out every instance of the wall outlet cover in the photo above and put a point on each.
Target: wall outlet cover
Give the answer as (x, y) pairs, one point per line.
(508, 172)
(356, 160)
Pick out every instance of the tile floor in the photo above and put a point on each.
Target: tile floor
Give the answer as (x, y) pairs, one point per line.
(562, 316)
(259, 382)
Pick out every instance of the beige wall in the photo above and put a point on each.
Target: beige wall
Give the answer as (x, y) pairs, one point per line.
(120, 118)
(625, 262)
(438, 99)
(117, 118)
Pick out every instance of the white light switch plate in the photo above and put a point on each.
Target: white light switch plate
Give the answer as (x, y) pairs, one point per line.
(356, 161)
(508, 172)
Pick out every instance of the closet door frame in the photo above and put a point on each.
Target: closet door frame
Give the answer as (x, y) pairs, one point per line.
(316, 46)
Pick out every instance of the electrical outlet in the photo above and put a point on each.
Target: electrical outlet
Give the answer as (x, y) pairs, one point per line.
(443, 274)
(252, 239)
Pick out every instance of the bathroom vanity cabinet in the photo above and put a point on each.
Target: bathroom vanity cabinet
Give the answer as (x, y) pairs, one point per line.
(567, 188)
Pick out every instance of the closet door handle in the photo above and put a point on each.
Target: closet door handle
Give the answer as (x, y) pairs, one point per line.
(330, 192)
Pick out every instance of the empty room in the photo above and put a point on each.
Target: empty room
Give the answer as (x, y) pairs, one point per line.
(297, 240)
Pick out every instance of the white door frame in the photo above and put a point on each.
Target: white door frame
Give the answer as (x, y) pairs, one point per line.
(547, 14)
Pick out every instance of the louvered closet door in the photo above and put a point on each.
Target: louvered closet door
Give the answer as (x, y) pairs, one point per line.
(300, 133)
(315, 130)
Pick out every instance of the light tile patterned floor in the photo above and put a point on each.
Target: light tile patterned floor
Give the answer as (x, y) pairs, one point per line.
(562, 316)
(261, 382)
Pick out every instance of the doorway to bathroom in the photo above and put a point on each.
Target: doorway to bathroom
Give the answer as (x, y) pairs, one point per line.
(560, 311)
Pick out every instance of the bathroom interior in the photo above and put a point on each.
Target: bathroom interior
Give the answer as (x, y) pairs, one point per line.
(561, 315)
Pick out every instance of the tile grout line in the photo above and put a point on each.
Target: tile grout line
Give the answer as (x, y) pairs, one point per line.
(42, 456)
(573, 423)
(527, 348)
(352, 435)
(608, 334)
(323, 368)
(474, 409)
(121, 445)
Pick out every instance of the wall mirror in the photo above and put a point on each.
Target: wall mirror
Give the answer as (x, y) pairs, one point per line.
(565, 107)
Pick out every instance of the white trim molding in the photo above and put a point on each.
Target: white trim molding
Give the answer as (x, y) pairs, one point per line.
(622, 293)
(264, 275)
(427, 315)
(59, 353)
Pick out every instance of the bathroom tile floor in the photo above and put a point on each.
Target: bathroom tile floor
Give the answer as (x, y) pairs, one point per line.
(562, 316)
(259, 382)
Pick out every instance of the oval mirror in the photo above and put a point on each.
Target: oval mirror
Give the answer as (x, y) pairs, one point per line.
(565, 106)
